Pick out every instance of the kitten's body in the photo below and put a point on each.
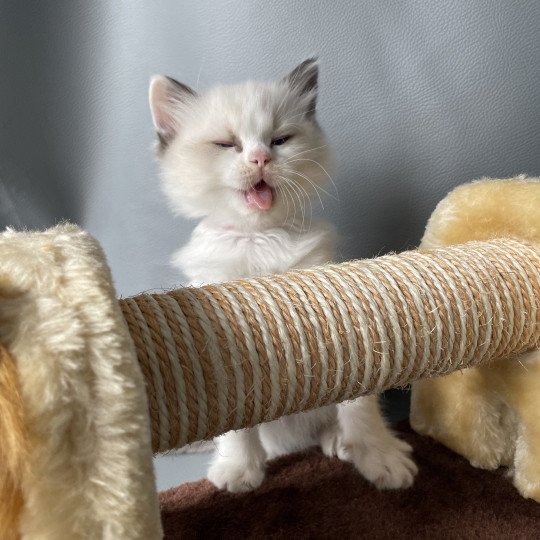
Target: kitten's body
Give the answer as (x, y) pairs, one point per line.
(218, 253)
(242, 158)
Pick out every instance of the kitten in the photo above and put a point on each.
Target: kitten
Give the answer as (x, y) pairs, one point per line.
(241, 157)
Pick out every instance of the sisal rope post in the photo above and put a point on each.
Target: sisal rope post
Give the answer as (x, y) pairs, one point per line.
(233, 355)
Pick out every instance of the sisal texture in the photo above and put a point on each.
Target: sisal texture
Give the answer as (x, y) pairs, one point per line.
(232, 355)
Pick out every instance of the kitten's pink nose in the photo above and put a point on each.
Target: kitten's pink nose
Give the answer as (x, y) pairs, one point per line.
(260, 157)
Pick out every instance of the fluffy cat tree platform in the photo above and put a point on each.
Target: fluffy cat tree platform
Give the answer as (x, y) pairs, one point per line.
(85, 397)
(308, 495)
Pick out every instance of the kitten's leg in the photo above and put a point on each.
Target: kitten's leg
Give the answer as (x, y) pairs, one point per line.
(376, 452)
(331, 439)
(238, 464)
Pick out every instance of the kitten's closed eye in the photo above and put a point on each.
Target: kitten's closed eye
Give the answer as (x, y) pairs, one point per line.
(280, 141)
(275, 142)
(225, 144)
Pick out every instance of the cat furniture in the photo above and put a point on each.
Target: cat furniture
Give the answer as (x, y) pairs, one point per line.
(90, 387)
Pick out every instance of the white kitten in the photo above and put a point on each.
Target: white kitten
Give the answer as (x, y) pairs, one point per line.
(246, 158)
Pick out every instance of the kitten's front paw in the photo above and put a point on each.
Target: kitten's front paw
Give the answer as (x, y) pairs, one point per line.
(235, 477)
(391, 468)
(332, 445)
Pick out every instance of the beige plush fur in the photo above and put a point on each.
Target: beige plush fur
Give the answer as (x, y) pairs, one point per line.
(491, 414)
(88, 473)
(14, 447)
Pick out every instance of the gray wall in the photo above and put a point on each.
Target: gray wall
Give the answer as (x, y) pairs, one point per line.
(416, 97)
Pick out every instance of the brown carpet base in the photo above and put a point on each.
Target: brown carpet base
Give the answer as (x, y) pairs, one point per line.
(310, 496)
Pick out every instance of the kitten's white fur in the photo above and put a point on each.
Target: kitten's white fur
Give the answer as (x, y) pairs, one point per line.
(234, 240)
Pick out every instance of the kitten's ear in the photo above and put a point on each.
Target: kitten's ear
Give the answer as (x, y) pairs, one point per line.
(167, 97)
(304, 80)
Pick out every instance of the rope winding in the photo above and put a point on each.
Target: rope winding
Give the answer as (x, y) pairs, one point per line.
(233, 355)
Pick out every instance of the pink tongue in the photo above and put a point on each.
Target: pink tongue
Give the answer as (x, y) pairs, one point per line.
(259, 196)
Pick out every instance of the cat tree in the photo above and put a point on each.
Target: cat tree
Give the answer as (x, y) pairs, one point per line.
(90, 387)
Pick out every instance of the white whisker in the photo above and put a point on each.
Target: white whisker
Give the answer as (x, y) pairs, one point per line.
(313, 161)
(302, 195)
(305, 151)
(281, 189)
(323, 169)
(288, 191)
(293, 191)
(315, 187)
(308, 199)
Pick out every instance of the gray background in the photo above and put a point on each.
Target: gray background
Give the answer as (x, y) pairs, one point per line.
(416, 97)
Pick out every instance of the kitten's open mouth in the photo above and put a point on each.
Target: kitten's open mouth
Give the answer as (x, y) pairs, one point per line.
(259, 196)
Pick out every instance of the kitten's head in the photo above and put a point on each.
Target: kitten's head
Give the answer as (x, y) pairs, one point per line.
(250, 153)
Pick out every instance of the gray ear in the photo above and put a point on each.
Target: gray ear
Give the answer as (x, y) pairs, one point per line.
(167, 96)
(304, 80)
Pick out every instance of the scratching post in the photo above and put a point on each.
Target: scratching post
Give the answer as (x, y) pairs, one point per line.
(228, 356)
